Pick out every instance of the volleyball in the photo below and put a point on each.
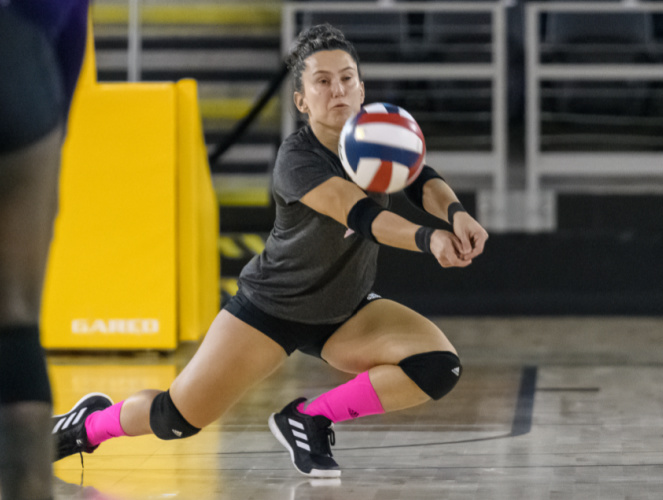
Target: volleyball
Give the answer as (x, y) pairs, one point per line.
(382, 148)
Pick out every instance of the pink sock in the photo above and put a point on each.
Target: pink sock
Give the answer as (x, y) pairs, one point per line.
(105, 424)
(355, 398)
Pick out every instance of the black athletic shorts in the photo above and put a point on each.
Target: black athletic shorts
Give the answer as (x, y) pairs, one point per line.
(42, 43)
(291, 335)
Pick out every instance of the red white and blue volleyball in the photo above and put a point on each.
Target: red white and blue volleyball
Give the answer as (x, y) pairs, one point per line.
(382, 148)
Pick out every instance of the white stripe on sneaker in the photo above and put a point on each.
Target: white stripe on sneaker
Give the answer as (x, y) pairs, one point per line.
(78, 417)
(303, 445)
(57, 426)
(71, 417)
(294, 423)
(300, 435)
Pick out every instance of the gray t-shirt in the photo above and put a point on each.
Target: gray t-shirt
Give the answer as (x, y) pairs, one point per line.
(312, 269)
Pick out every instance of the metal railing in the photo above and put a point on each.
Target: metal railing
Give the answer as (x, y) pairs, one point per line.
(134, 42)
(591, 170)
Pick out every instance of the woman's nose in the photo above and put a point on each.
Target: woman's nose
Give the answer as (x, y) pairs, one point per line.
(337, 88)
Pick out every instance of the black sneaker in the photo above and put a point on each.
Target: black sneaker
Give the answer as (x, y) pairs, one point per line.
(69, 429)
(308, 439)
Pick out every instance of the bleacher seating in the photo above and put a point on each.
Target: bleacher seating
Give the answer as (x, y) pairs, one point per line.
(615, 109)
(233, 48)
(456, 113)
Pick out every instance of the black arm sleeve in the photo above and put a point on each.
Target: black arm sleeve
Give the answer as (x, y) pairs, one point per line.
(415, 191)
(362, 215)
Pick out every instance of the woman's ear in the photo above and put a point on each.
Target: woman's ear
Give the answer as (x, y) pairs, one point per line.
(363, 92)
(300, 102)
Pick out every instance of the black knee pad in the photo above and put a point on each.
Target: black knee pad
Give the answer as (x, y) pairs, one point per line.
(435, 372)
(23, 375)
(166, 420)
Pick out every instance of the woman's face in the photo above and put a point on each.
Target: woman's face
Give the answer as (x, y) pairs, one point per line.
(331, 89)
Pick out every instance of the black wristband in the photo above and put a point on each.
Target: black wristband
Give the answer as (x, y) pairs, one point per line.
(422, 238)
(454, 208)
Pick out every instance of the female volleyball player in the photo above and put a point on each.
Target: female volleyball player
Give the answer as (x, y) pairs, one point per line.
(41, 49)
(310, 290)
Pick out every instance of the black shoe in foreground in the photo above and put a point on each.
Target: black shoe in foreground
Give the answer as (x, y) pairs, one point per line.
(307, 438)
(69, 429)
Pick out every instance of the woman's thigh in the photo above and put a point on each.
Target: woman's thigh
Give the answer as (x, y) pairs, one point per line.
(382, 333)
(232, 358)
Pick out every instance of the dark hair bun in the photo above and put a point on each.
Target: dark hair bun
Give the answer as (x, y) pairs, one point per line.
(316, 38)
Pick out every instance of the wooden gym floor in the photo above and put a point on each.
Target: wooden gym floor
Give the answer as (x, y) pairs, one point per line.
(548, 408)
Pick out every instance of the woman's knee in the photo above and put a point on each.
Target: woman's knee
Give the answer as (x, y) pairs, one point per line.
(436, 373)
(435, 367)
(432, 362)
(167, 422)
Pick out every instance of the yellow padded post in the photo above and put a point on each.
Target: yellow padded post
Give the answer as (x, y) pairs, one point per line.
(111, 280)
(134, 262)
